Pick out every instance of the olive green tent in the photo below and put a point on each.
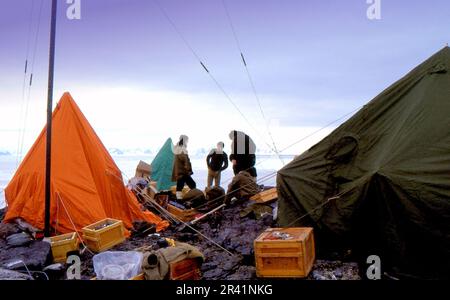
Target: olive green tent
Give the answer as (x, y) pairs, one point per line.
(162, 166)
(381, 180)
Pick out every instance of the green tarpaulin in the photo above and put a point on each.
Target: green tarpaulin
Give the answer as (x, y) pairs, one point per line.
(389, 165)
(162, 166)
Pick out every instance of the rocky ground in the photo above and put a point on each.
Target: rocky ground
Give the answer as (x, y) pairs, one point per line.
(234, 228)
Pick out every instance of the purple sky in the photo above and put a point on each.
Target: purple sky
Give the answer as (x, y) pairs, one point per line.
(312, 61)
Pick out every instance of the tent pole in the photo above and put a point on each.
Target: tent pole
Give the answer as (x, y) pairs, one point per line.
(48, 156)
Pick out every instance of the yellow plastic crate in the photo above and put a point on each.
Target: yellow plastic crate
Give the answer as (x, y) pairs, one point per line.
(104, 234)
(63, 244)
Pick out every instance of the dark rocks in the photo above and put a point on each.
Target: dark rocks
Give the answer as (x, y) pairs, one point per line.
(142, 228)
(334, 270)
(187, 237)
(243, 273)
(13, 275)
(213, 274)
(208, 266)
(55, 271)
(229, 265)
(18, 240)
(236, 234)
(7, 229)
(87, 267)
(2, 214)
(35, 256)
(317, 276)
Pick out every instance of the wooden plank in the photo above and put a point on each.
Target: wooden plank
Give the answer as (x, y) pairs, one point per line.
(185, 215)
(265, 196)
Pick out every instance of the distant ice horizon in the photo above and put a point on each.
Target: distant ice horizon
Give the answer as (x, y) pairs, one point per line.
(127, 162)
(195, 153)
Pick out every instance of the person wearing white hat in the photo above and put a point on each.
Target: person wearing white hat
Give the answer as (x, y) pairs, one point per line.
(182, 168)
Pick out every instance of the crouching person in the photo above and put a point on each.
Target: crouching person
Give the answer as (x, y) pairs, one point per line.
(182, 168)
(242, 187)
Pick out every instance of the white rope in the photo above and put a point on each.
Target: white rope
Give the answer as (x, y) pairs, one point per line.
(74, 227)
(26, 267)
(301, 140)
(259, 181)
(315, 208)
(250, 80)
(57, 217)
(181, 221)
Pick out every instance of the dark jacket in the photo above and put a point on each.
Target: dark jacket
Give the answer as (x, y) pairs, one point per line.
(243, 150)
(217, 161)
(181, 164)
(243, 186)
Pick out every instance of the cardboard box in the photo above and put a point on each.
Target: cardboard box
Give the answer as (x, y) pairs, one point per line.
(143, 169)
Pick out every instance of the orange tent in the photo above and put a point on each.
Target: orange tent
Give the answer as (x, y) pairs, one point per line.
(86, 184)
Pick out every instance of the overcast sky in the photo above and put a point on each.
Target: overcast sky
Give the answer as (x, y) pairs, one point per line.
(312, 61)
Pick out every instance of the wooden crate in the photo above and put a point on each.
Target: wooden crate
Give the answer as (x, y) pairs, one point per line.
(104, 234)
(265, 196)
(185, 215)
(63, 244)
(186, 269)
(285, 258)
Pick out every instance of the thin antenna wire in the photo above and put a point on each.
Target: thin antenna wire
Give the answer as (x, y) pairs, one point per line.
(250, 79)
(320, 129)
(23, 83)
(31, 79)
(305, 137)
(219, 86)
